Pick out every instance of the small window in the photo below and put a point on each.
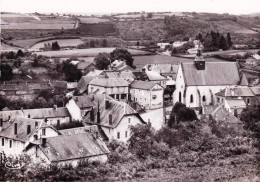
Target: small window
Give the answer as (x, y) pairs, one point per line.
(29, 116)
(3, 142)
(247, 100)
(191, 98)
(126, 134)
(218, 100)
(11, 143)
(179, 96)
(44, 131)
(118, 135)
(204, 98)
(129, 120)
(222, 100)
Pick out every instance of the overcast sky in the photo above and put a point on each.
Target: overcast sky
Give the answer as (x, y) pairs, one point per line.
(116, 6)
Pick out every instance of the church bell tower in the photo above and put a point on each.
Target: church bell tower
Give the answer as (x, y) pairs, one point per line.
(199, 60)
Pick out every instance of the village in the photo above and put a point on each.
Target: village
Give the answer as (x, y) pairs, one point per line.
(100, 100)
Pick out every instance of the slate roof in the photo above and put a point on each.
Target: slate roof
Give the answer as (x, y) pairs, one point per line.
(78, 130)
(127, 74)
(46, 113)
(255, 90)
(154, 76)
(117, 109)
(236, 103)
(208, 109)
(84, 101)
(12, 113)
(215, 73)
(83, 65)
(221, 114)
(22, 123)
(145, 85)
(235, 92)
(68, 147)
(95, 73)
(140, 75)
(83, 83)
(162, 68)
(109, 82)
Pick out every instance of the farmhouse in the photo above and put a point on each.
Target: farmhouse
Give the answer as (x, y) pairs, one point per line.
(115, 118)
(68, 149)
(198, 82)
(115, 87)
(253, 60)
(16, 134)
(147, 94)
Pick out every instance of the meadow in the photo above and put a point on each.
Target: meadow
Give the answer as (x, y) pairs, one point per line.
(91, 52)
(92, 20)
(61, 42)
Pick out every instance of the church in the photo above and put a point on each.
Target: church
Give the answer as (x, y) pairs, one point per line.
(197, 82)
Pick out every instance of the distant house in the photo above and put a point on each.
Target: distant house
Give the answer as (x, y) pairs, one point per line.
(85, 67)
(147, 94)
(253, 60)
(141, 75)
(198, 82)
(68, 149)
(16, 134)
(119, 65)
(115, 87)
(178, 43)
(115, 118)
(52, 116)
(156, 78)
(163, 45)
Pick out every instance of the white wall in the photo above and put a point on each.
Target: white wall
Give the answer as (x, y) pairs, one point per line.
(123, 127)
(109, 91)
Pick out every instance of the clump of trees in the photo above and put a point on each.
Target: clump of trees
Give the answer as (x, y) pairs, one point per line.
(102, 61)
(6, 72)
(71, 72)
(55, 46)
(214, 41)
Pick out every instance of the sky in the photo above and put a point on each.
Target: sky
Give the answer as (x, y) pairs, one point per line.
(121, 6)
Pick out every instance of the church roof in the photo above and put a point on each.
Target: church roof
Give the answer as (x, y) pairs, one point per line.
(215, 73)
(236, 92)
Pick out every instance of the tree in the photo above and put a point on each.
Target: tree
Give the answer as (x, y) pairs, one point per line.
(122, 54)
(92, 44)
(149, 15)
(199, 37)
(223, 43)
(142, 18)
(104, 43)
(6, 72)
(55, 46)
(229, 41)
(137, 43)
(40, 102)
(71, 72)
(19, 53)
(35, 62)
(102, 61)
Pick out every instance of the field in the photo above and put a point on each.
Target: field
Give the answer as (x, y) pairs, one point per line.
(92, 20)
(228, 25)
(61, 42)
(154, 16)
(96, 29)
(31, 22)
(92, 52)
(141, 61)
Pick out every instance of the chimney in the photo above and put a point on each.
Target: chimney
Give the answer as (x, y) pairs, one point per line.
(92, 115)
(28, 129)
(55, 107)
(43, 142)
(110, 119)
(106, 104)
(98, 114)
(143, 70)
(36, 124)
(15, 128)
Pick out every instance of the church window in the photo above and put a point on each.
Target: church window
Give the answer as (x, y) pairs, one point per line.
(191, 98)
(179, 96)
(204, 98)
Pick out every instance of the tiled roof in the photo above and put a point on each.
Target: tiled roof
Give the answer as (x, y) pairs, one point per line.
(22, 123)
(127, 74)
(154, 76)
(117, 110)
(109, 82)
(215, 73)
(84, 101)
(78, 130)
(12, 113)
(66, 147)
(236, 92)
(145, 85)
(221, 114)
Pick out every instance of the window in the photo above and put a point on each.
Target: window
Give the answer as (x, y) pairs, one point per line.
(129, 120)
(204, 98)
(191, 98)
(44, 131)
(29, 115)
(3, 142)
(222, 100)
(218, 100)
(247, 101)
(118, 135)
(126, 134)
(123, 96)
(179, 96)
(154, 96)
(11, 143)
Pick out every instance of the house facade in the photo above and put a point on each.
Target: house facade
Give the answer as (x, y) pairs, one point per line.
(147, 94)
(19, 132)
